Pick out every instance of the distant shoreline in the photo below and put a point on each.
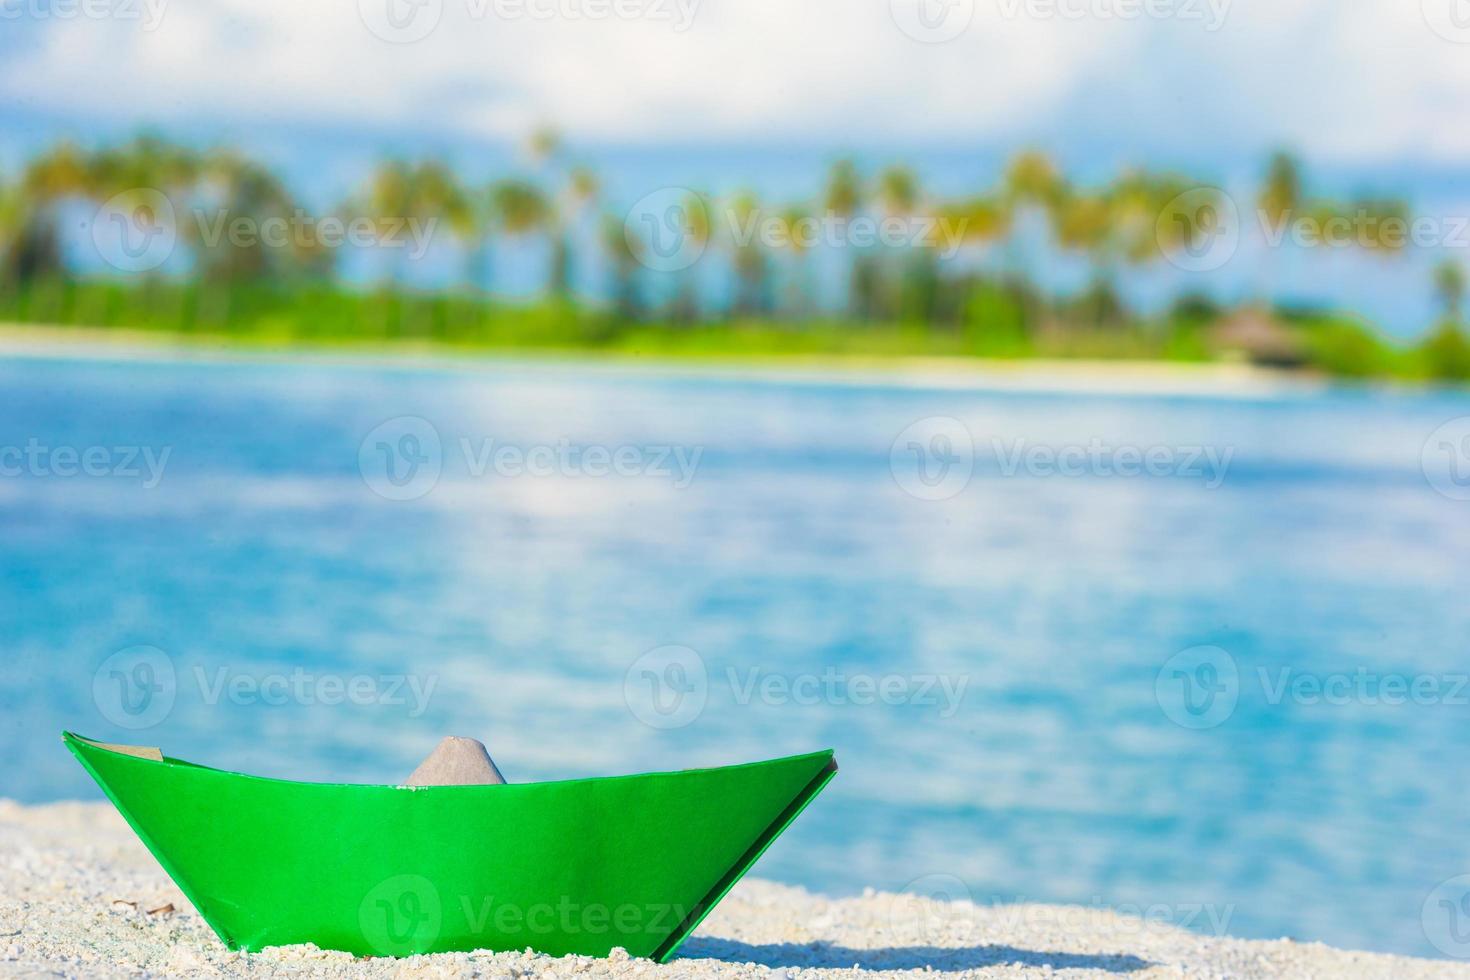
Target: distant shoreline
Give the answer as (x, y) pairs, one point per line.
(1079, 376)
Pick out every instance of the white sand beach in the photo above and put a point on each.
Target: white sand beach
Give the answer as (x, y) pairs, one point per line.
(80, 897)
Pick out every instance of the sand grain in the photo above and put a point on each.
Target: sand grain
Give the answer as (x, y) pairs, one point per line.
(76, 890)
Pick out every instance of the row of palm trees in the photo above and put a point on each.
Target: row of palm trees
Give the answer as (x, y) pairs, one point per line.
(1136, 219)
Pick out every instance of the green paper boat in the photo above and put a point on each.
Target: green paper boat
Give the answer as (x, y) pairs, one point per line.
(575, 866)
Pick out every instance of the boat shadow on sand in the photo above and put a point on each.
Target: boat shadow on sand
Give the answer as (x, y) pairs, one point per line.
(944, 959)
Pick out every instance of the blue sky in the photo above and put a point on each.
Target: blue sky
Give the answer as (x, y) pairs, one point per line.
(1348, 84)
(762, 93)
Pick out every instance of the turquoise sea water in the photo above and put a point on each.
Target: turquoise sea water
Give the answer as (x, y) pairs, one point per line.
(1057, 683)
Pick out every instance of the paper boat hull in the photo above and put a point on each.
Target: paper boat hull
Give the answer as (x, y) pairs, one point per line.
(578, 866)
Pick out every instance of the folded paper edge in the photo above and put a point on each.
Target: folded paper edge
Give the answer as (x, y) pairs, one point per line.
(174, 761)
(149, 752)
(73, 742)
(665, 950)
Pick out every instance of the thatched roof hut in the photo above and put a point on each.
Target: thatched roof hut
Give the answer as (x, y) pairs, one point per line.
(1253, 334)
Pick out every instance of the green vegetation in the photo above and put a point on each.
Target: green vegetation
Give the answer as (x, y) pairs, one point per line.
(900, 298)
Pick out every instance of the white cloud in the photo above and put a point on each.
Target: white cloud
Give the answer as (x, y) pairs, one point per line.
(1344, 81)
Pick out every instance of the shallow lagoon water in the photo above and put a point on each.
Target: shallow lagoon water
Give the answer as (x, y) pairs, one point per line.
(994, 669)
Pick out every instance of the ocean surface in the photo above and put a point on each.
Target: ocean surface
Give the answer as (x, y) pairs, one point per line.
(1198, 656)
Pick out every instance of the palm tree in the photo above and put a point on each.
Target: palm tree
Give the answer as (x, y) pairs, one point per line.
(752, 270)
(1281, 192)
(146, 162)
(544, 144)
(1032, 176)
(568, 197)
(798, 297)
(388, 194)
(403, 198)
(1446, 351)
(35, 211)
(61, 171)
(234, 188)
(439, 199)
(694, 214)
(1136, 219)
(1085, 223)
(898, 191)
(1373, 217)
(439, 196)
(575, 199)
(133, 176)
(1186, 215)
(14, 216)
(516, 207)
(1449, 288)
(1378, 224)
(1031, 186)
(903, 283)
(843, 198)
(978, 222)
(519, 207)
(844, 192)
(624, 262)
